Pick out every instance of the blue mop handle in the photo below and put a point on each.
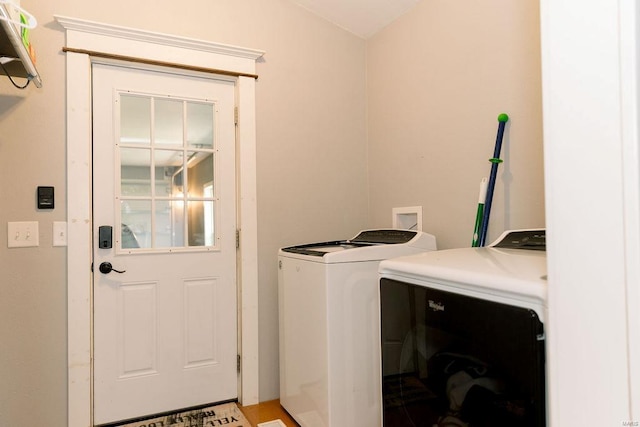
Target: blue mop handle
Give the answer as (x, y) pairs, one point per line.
(495, 161)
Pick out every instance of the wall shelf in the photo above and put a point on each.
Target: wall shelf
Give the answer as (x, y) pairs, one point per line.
(13, 54)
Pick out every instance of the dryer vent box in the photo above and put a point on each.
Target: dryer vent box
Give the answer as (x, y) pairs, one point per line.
(407, 218)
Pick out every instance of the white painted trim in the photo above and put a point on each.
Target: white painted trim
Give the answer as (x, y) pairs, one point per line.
(79, 240)
(81, 34)
(248, 238)
(630, 99)
(590, 127)
(115, 31)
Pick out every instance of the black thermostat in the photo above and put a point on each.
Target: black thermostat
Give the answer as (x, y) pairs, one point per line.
(45, 198)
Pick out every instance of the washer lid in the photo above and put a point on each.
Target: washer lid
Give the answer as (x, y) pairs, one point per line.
(368, 245)
(323, 248)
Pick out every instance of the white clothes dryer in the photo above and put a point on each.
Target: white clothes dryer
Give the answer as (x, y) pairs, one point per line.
(462, 335)
(329, 326)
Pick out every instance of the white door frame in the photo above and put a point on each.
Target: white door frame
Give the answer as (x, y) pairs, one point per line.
(591, 98)
(115, 40)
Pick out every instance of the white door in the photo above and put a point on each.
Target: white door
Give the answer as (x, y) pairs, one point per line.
(165, 319)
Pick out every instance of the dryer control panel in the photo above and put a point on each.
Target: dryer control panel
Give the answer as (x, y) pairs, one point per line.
(523, 239)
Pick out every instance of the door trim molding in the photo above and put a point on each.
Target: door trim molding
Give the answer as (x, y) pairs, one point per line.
(132, 59)
(82, 34)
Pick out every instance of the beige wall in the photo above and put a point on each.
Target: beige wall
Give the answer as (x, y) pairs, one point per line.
(432, 85)
(437, 79)
(311, 169)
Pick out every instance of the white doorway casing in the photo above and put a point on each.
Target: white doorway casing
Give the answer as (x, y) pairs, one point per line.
(115, 40)
(590, 72)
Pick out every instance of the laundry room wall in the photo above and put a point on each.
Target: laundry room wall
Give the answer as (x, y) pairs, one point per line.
(437, 79)
(311, 169)
(435, 82)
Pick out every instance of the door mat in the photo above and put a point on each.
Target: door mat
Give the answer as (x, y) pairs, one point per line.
(226, 414)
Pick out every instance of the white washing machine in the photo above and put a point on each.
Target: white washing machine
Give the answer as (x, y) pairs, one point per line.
(329, 326)
(462, 334)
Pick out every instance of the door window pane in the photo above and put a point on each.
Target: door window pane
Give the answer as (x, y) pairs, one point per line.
(200, 173)
(169, 224)
(201, 213)
(135, 172)
(135, 119)
(168, 122)
(209, 223)
(168, 164)
(195, 208)
(201, 231)
(136, 224)
(200, 125)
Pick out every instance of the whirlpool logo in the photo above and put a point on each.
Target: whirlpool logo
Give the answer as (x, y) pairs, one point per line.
(436, 306)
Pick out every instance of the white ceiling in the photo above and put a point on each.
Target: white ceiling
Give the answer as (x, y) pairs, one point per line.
(363, 18)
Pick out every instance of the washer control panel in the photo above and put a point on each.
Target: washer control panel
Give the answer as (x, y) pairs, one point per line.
(387, 237)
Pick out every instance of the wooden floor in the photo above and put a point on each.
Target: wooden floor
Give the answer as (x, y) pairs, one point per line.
(267, 411)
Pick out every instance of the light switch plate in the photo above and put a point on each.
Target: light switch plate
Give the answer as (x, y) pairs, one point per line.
(22, 234)
(59, 233)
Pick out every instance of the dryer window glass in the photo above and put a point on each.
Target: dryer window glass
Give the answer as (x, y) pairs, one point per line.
(450, 359)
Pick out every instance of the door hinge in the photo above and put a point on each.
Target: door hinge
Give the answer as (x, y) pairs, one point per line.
(235, 115)
(238, 363)
(237, 239)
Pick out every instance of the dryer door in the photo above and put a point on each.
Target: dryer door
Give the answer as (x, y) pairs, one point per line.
(451, 357)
